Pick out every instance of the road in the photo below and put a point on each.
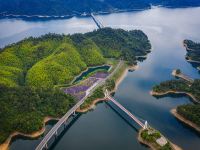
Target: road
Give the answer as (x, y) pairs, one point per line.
(54, 130)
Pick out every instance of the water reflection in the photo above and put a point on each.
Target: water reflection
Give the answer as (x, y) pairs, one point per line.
(13, 30)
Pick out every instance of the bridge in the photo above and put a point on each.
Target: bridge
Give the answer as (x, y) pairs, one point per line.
(142, 125)
(54, 131)
(63, 121)
(98, 23)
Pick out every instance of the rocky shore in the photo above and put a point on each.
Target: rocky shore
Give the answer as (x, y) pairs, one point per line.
(91, 106)
(123, 75)
(153, 146)
(184, 120)
(5, 145)
(153, 93)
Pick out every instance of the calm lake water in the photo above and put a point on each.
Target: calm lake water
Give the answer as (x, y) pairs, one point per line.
(91, 70)
(103, 128)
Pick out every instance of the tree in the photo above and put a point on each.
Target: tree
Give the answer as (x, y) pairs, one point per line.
(178, 71)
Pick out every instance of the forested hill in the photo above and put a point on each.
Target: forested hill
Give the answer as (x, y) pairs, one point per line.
(56, 59)
(77, 7)
(30, 69)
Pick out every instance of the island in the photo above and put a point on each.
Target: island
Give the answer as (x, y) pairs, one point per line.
(69, 8)
(193, 51)
(36, 75)
(155, 140)
(189, 113)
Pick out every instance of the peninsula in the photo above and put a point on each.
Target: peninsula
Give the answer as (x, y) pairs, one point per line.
(189, 113)
(37, 73)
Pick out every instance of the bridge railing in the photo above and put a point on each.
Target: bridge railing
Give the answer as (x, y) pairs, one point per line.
(55, 128)
(144, 126)
(98, 23)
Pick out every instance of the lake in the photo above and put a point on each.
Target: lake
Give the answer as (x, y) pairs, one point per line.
(103, 128)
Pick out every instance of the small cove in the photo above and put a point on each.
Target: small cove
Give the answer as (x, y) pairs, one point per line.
(89, 71)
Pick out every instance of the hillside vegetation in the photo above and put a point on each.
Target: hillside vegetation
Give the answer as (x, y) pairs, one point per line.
(120, 43)
(56, 59)
(31, 69)
(23, 109)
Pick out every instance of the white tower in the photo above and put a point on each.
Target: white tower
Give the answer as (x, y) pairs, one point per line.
(145, 125)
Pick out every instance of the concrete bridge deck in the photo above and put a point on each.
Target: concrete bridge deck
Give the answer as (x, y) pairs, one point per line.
(53, 132)
(142, 125)
(97, 22)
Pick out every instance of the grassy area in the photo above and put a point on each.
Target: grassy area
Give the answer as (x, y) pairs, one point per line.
(111, 82)
(113, 62)
(151, 136)
(119, 72)
(98, 93)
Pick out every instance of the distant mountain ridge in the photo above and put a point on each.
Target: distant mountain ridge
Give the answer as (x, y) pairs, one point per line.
(79, 7)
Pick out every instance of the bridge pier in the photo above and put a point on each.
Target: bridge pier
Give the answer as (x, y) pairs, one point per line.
(46, 146)
(56, 134)
(74, 113)
(65, 123)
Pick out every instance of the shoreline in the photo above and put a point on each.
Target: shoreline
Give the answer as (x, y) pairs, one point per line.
(91, 106)
(188, 59)
(184, 120)
(123, 75)
(6, 144)
(144, 142)
(151, 146)
(117, 83)
(182, 76)
(153, 93)
(187, 48)
(192, 61)
(79, 14)
(66, 16)
(80, 74)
